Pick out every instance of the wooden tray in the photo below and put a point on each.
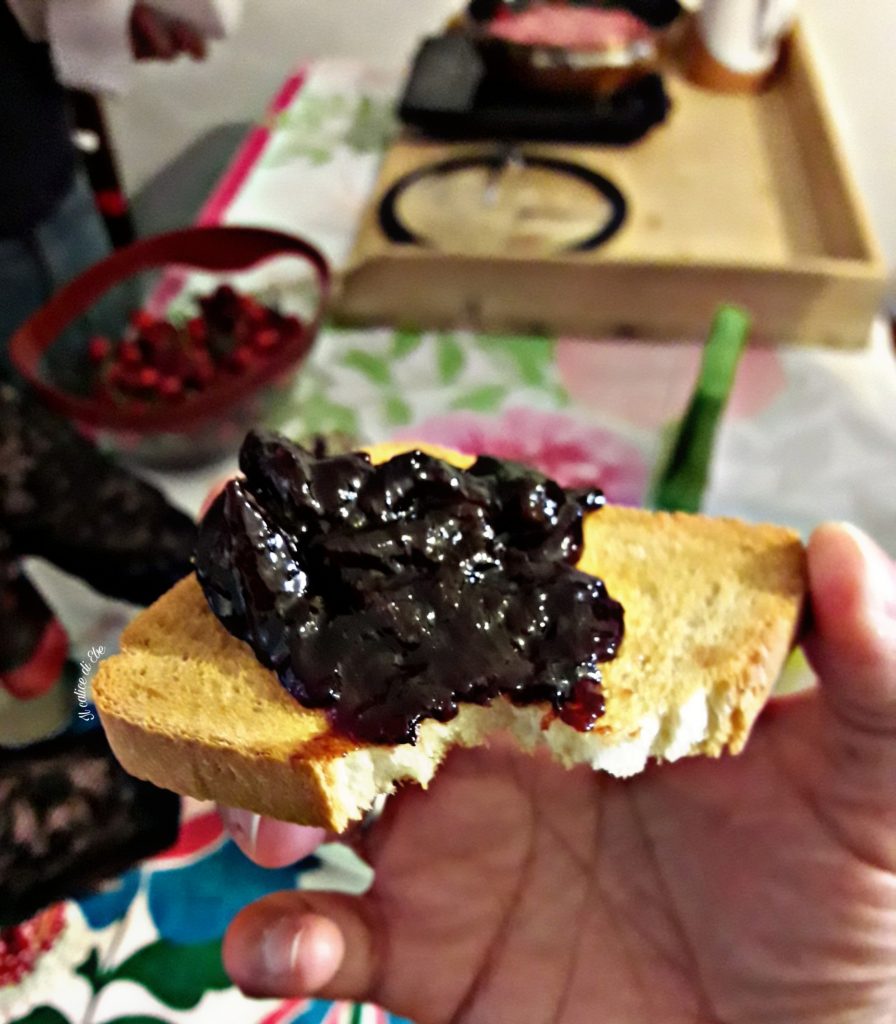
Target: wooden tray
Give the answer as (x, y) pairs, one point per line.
(736, 198)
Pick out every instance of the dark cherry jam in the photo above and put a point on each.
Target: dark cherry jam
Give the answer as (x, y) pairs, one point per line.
(391, 594)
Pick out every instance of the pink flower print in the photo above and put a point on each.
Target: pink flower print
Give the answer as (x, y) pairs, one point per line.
(649, 383)
(569, 451)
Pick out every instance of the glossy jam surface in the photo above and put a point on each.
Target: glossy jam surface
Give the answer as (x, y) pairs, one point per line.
(391, 594)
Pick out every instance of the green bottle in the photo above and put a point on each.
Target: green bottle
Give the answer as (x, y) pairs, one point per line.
(683, 470)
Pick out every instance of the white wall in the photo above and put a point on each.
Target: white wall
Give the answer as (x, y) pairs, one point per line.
(855, 43)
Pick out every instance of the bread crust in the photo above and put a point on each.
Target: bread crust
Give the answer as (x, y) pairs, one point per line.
(711, 606)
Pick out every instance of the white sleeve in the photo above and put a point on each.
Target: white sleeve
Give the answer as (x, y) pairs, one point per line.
(89, 39)
(91, 43)
(32, 16)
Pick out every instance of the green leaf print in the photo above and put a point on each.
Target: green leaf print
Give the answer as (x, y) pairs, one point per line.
(374, 368)
(90, 970)
(317, 125)
(405, 342)
(309, 129)
(398, 412)
(312, 111)
(320, 415)
(317, 155)
(372, 126)
(532, 356)
(560, 395)
(44, 1015)
(178, 976)
(485, 399)
(138, 1020)
(451, 359)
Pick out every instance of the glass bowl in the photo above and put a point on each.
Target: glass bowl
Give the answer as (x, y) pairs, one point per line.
(163, 278)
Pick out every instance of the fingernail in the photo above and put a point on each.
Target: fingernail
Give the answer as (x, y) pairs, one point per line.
(880, 577)
(298, 953)
(281, 945)
(243, 826)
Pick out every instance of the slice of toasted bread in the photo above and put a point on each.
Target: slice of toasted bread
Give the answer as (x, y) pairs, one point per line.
(711, 609)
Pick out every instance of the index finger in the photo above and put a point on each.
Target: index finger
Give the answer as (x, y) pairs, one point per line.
(270, 843)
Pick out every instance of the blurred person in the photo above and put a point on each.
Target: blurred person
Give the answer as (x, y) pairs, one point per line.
(50, 228)
(117, 534)
(69, 816)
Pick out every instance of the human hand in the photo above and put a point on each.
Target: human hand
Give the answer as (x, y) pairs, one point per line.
(155, 36)
(755, 888)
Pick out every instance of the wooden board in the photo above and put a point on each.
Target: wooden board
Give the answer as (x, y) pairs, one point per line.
(736, 198)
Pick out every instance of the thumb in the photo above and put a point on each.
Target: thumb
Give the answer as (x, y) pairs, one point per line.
(853, 642)
(296, 944)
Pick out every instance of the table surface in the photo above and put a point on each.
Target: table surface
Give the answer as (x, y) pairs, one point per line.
(808, 436)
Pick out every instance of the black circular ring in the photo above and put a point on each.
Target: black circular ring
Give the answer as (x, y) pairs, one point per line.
(396, 231)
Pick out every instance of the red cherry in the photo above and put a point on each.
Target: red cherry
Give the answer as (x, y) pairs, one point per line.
(159, 337)
(254, 309)
(142, 320)
(242, 332)
(148, 377)
(171, 353)
(240, 360)
(128, 379)
(171, 387)
(99, 349)
(202, 371)
(266, 339)
(197, 330)
(129, 353)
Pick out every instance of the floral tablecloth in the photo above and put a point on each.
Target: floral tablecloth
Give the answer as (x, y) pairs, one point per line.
(808, 436)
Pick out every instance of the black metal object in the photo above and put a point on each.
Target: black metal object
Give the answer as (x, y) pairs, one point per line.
(397, 231)
(657, 13)
(483, 10)
(452, 94)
